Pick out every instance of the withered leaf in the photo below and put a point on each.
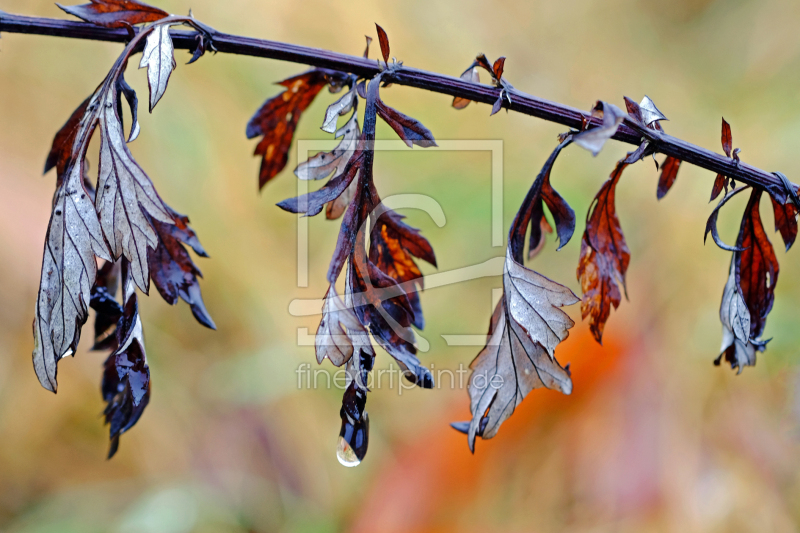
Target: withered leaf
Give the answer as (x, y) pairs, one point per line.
(527, 323)
(277, 120)
(366, 50)
(481, 61)
(410, 130)
(340, 333)
(158, 58)
(383, 39)
(324, 163)
(60, 155)
(313, 202)
(604, 257)
(124, 194)
(785, 221)
(392, 245)
(498, 67)
(727, 138)
(172, 270)
(126, 377)
(115, 13)
(470, 75)
(336, 208)
(340, 107)
(497, 106)
(720, 182)
(69, 269)
(736, 347)
(519, 356)
(593, 139)
(757, 266)
(669, 172)
(649, 111)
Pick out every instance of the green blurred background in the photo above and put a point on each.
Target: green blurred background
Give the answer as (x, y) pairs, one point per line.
(654, 438)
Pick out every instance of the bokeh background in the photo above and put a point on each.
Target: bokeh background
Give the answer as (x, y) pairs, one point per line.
(654, 437)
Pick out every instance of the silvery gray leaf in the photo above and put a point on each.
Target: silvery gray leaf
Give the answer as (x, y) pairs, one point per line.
(340, 107)
(123, 191)
(733, 311)
(69, 269)
(322, 164)
(593, 139)
(339, 331)
(526, 326)
(158, 57)
(650, 112)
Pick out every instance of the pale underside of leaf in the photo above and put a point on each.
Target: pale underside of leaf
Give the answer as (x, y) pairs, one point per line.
(594, 138)
(519, 354)
(123, 192)
(339, 333)
(158, 57)
(735, 318)
(74, 238)
(650, 112)
(324, 163)
(340, 107)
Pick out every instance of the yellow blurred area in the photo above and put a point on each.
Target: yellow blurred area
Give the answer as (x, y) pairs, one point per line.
(654, 438)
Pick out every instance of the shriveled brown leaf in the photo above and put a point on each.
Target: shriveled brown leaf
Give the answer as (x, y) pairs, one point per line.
(115, 13)
(593, 139)
(720, 182)
(785, 221)
(383, 39)
(604, 258)
(727, 138)
(277, 120)
(409, 129)
(471, 75)
(498, 67)
(669, 173)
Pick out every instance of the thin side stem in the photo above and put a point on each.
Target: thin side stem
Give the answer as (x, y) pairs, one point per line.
(629, 132)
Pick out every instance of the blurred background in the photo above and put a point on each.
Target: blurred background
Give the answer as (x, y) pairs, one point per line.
(654, 437)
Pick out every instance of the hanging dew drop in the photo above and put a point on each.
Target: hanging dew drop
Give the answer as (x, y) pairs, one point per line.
(345, 454)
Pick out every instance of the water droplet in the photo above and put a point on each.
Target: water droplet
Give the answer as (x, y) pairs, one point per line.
(345, 454)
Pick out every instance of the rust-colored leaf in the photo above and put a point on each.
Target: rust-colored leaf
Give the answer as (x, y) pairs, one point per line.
(727, 138)
(484, 63)
(115, 13)
(409, 129)
(277, 120)
(785, 221)
(172, 270)
(720, 182)
(383, 39)
(366, 50)
(669, 172)
(60, 155)
(498, 67)
(604, 258)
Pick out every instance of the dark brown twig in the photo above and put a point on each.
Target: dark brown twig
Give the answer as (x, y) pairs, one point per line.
(629, 132)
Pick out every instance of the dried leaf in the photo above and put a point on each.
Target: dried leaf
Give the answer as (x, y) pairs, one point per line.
(366, 50)
(669, 172)
(649, 111)
(498, 105)
(604, 257)
(481, 61)
(526, 327)
(107, 309)
(115, 13)
(336, 208)
(126, 378)
(785, 221)
(74, 238)
(498, 67)
(172, 270)
(312, 203)
(340, 333)
(277, 119)
(392, 245)
(757, 266)
(469, 75)
(736, 346)
(124, 195)
(720, 182)
(158, 57)
(324, 163)
(593, 139)
(727, 138)
(60, 155)
(383, 39)
(340, 107)
(410, 130)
